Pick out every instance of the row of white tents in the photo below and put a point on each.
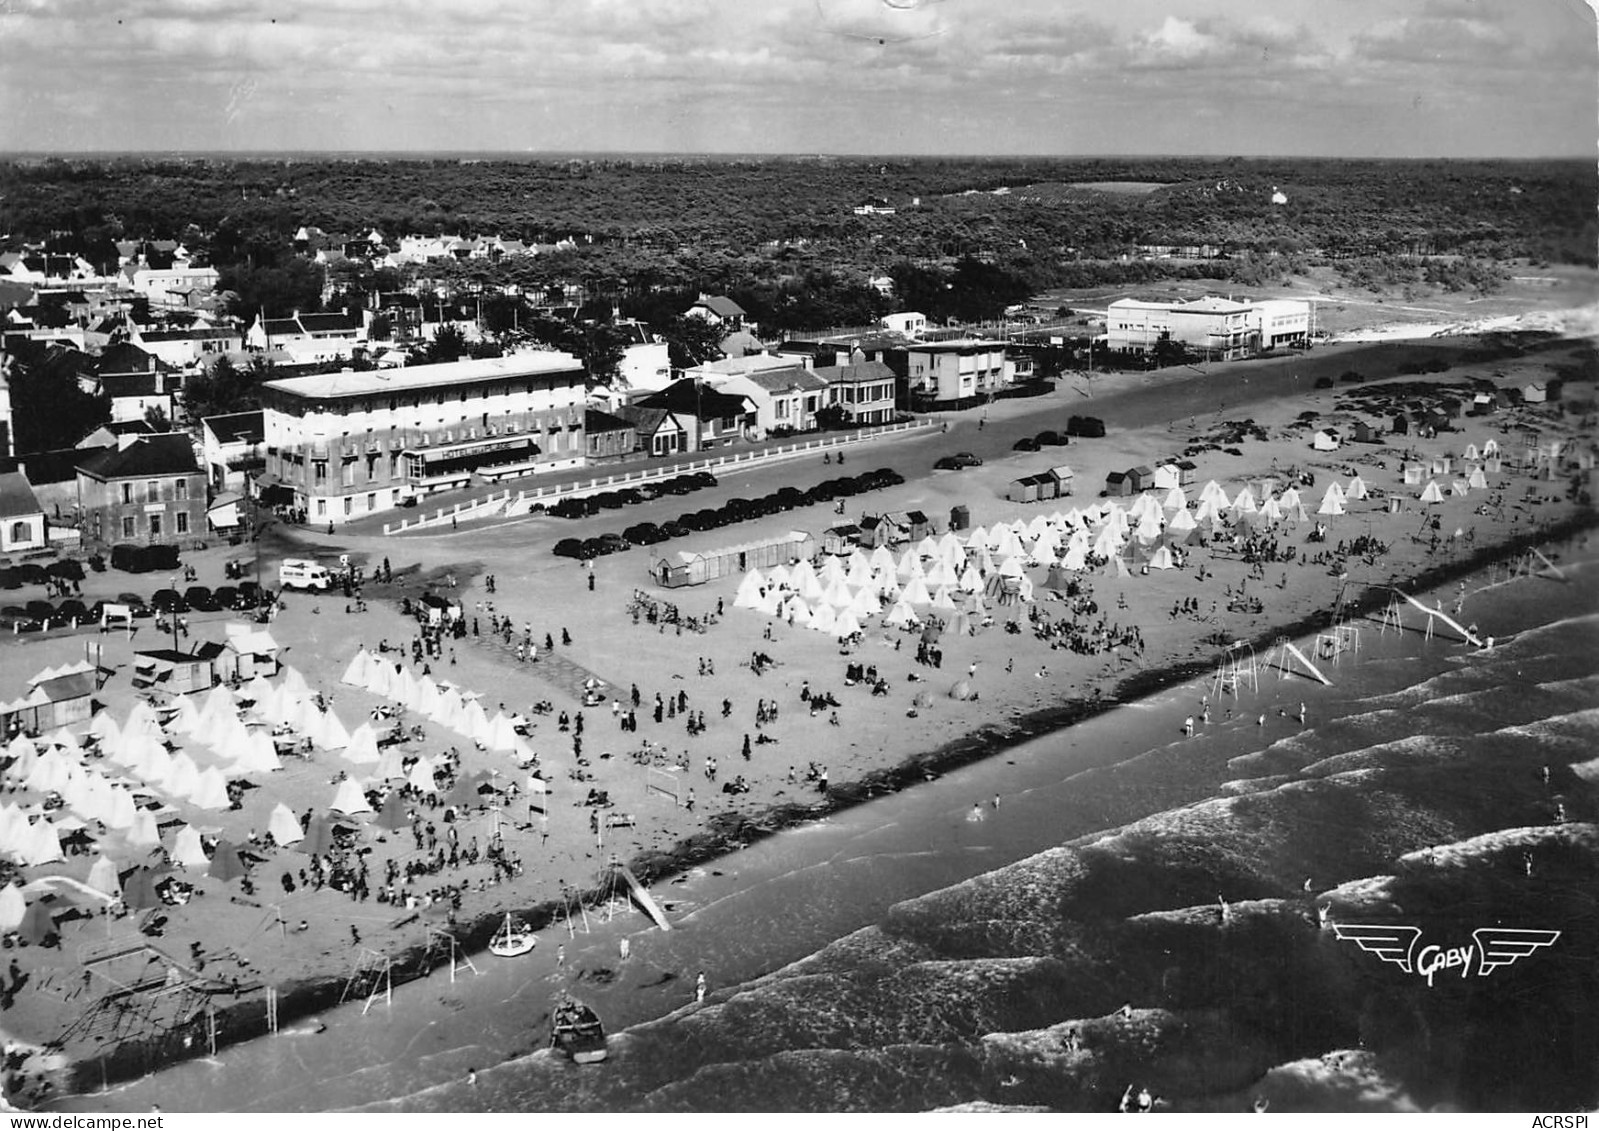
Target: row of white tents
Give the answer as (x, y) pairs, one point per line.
(440, 703)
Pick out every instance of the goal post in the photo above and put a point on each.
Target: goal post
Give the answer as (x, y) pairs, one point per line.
(664, 782)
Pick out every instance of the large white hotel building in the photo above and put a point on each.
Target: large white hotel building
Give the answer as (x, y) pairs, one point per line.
(351, 443)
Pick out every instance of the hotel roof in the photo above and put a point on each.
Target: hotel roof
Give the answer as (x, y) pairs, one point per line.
(412, 378)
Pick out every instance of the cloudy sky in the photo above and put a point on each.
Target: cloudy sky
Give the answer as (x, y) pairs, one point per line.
(1339, 77)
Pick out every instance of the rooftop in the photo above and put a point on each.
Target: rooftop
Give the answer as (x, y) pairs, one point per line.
(16, 496)
(164, 453)
(412, 378)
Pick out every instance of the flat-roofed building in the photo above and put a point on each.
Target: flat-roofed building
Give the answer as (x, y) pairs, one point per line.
(347, 444)
(1216, 327)
(959, 370)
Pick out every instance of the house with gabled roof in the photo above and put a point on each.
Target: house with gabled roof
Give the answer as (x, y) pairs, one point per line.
(784, 400)
(712, 418)
(22, 525)
(146, 490)
(719, 310)
(309, 337)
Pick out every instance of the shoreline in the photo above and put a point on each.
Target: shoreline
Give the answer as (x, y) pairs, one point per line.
(726, 833)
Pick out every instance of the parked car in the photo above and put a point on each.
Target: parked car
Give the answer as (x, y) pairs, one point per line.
(200, 599)
(614, 543)
(135, 603)
(168, 601)
(226, 597)
(702, 479)
(73, 609)
(16, 618)
(252, 596)
(957, 461)
(643, 534)
(1051, 438)
(1025, 444)
(675, 529)
(1090, 426)
(571, 548)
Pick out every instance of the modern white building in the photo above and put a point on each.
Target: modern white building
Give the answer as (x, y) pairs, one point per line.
(911, 323)
(348, 444)
(785, 400)
(1218, 327)
(962, 369)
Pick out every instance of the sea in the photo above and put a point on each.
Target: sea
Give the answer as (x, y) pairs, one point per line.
(474, 1038)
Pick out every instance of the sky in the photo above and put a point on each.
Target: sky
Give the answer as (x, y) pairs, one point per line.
(1377, 78)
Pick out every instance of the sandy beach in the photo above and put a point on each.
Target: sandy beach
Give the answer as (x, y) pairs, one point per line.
(1071, 652)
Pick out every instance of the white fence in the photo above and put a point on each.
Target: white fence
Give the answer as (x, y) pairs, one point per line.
(502, 501)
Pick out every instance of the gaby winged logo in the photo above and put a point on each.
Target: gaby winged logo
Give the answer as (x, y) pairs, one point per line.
(1494, 947)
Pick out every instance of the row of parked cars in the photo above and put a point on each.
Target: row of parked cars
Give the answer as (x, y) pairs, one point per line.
(627, 496)
(36, 616)
(731, 512)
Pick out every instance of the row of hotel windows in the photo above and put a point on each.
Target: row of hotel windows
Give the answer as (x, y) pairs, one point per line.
(130, 524)
(152, 490)
(299, 407)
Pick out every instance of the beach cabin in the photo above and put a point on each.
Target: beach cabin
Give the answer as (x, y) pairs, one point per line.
(1484, 404)
(56, 697)
(247, 653)
(1030, 488)
(1062, 476)
(1187, 472)
(1364, 433)
(840, 539)
(1118, 485)
(1166, 476)
(1534, 392)
(1325, 441)
(1141, 478)
(1401, 424)
(688, 567)
(174, 672)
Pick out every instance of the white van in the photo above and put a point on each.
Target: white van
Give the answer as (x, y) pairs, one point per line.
(300, 573)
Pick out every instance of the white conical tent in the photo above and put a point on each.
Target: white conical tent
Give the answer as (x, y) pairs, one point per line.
(1107, 545)
(1357, 488)
(970, 580)
(837, 594)
(391, 764)
(333, 735)
(749, 590)
(186, 718)
(1075, 556)
(349, 798)
(256, 754)
(865, 603)
(501, 731)
(1431, 493)
(846, 624)
(910, 565)
(142, 720)
(380, 676)
(103, 727)
(103, 878)
(211, 790)
(1175, 500)
(1149, 527)
(942, 599)
(474, 723)
(355, 672)
(1332, 502)
(900, 615)
(927, 548)
(916, 593)
(769, 603)
(797, 613)
(363, 745)
(1477, 480)
(284, 825)
(13, 906)
(1271, 510)
(294, 682)
(182, 778)
(427, 695)
(122, 812)
(882, 559)
(448, 712)
(832, 570)
(143, 833)
(1244, 502)
(1161, 558)
(186, 849)
(421, 776)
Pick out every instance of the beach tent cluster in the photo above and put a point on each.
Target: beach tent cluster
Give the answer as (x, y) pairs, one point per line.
(957, 578)
(441, 703)
(1477, 462)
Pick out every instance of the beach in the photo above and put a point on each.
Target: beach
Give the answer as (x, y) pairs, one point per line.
(1113, 639)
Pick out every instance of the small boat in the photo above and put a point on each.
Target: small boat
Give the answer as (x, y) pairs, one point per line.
(513, 939)
(576, 1031)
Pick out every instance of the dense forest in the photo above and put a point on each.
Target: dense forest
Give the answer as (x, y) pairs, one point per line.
(781, 234)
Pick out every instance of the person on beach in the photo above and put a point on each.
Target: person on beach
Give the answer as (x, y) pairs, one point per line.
(1188, 726)
(699, 987)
